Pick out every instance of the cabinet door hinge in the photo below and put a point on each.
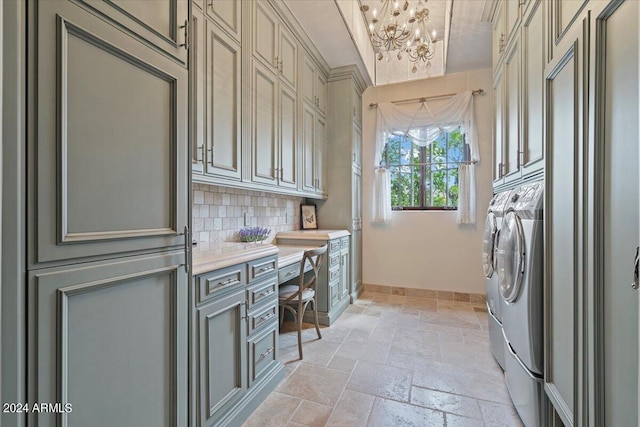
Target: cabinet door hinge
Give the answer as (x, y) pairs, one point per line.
(185, 27)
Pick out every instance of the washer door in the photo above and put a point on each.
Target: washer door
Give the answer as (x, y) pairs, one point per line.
(511, 257)
(488, 243)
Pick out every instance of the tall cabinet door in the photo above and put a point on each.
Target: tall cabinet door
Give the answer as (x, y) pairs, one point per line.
(110, 335)
(563, 221)
(264, 114)
(223, 156)
(288, 59)
(512, 109)
(620, 215)
(533, 42)
(288, 161)
(228, 14)
(108, 179)
(197, 64)
(109, 138)
(265, 35)
(498, 128)
(319, 153)
(308, 137)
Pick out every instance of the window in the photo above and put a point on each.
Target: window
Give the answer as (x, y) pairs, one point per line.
(425, 177)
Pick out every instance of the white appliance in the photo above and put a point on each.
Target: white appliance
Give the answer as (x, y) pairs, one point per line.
(520, 275)
(489, 251)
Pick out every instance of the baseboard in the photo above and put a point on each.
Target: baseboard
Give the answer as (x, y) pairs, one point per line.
(476, 299)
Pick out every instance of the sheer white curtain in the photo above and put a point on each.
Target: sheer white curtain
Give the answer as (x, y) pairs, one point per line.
(445, 116)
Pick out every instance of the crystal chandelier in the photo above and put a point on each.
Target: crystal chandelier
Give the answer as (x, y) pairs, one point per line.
(421, 48)
(395, 27)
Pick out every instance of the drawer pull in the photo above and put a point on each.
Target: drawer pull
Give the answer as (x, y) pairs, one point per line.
(291, 273)
(266, 353)
(265, 294)
(226, 282)
(265, 318)
(263, 269)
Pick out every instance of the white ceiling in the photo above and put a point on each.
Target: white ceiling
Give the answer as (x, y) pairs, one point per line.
(469, 42)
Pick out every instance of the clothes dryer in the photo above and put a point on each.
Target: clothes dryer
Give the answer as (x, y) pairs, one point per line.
(520, 275)
(489, 252)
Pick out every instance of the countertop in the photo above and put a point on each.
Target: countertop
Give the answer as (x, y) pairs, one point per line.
(227, 254)
(312, 234)
(290, 254)
(232, 253)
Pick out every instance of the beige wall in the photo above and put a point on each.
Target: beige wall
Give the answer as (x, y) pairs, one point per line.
(427, 249)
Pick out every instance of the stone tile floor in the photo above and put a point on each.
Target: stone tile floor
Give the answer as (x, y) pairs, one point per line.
(391, 360)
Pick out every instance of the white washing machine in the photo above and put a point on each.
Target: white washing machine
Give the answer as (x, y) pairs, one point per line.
(489, 252)
(520, 275)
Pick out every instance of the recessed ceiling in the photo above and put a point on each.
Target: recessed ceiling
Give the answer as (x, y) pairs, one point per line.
(469, 43)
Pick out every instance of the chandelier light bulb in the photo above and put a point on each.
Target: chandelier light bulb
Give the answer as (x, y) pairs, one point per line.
(375, 12)
(371, 26)
(412, 13)
(433, 33)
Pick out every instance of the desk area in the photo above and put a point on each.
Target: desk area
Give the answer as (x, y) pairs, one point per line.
(234, 316)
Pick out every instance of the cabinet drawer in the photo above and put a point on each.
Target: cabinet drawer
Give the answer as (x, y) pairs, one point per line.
(344, 243)
(334, 245)
(209, 284)
(262, 292)
(288, 272)
(334, 261)
(334, 274)
(262, 352)
(262, 268)
(262, 316)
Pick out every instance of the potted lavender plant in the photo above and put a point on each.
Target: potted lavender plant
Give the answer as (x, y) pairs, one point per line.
(254, 234)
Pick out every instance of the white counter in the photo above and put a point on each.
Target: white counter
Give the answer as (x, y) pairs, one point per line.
(229, 253)
(312, 234)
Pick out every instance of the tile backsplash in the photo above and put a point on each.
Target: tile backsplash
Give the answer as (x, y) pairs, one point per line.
(219, 213)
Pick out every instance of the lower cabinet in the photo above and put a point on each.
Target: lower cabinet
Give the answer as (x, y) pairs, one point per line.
(235, 341)
(334, 277)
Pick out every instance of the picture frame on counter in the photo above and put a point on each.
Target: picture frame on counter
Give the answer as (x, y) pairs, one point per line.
(308, 217)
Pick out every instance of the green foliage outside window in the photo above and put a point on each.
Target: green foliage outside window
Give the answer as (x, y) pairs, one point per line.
(425, 177)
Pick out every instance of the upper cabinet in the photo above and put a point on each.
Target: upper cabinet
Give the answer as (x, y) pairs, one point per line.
(249, 87)
(227, 14)
(519, 54)
(314, 84)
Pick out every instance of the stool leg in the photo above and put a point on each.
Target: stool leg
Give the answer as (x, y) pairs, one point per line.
(300, 316)
(281, 315)
(315, 317)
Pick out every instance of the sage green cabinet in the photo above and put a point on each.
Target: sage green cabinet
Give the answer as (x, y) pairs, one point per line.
(227, 14)
(314, 83)
(110, 334)
(498, 36)
(234, 312)
(222, 355)
(248, 125)
(533, 63)
(93, 197)
(223, 155)
(343, 210)
(333, 282)
(107, 219)
(314, 128)
(519, 65)
(197, 72)
(264, 125)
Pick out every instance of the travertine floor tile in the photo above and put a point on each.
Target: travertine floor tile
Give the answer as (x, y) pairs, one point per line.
(275, 411)
(446, 402)
(381, 380)
(458, 421)
(314, 383)
(371, 351)
(311, 414)
(390, 413)
(392, 360)
(352, 410)
(342, 364)
(496, 415)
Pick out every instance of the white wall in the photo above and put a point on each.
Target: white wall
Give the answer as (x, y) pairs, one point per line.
(427, 249)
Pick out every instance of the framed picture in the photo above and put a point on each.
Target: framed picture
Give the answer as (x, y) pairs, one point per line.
(308, 217)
